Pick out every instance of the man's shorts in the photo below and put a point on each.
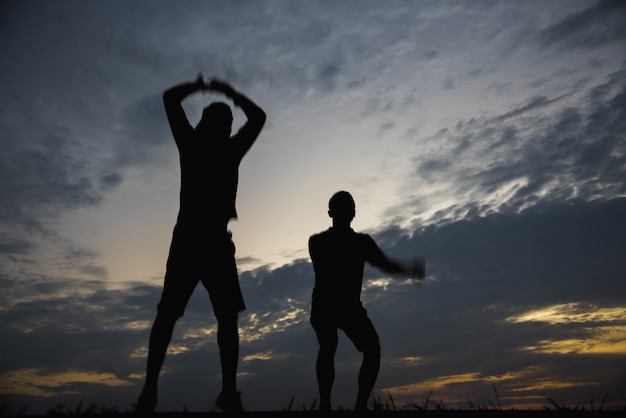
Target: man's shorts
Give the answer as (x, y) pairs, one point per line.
(353, 321)
(207, 257)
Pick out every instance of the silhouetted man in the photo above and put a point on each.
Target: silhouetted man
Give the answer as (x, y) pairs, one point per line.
(201, 248)
(339, 255)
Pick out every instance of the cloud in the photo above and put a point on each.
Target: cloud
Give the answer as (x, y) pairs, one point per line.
(476, 316)
(569, 312)
(144, 138)
(534, 104)
(605, 332)
(47, 175)
(530, 154)
(14, 246)
(33, 383)
(602, 340)
(454, 391)
(596, 26)
(265, 356)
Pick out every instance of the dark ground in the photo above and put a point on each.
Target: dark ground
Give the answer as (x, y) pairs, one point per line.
(374, 414)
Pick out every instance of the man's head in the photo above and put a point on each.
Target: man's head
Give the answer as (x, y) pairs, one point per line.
(341, 207)
(217, 120)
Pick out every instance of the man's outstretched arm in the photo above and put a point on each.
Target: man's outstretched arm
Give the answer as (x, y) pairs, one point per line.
(255, 115)
(415, 269)
(172, 99)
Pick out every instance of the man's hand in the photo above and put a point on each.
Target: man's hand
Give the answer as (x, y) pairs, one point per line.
(416, 269)
(221, 86)
(201, 83)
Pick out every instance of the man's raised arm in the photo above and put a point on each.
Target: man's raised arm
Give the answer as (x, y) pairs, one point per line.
(172, 99)
(255, 115)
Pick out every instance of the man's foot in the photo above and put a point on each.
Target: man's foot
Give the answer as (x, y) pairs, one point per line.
(146, 404)
(229, 402)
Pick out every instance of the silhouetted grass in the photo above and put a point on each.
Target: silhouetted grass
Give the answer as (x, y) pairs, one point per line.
(380, 408)
(578, 407)
(93, 409)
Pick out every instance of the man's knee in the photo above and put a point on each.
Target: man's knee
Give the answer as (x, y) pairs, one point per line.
(168, 313)
(327, 349)
(327, 339)
(371, 348)
(373, 352)
(226, 318)
(227, 323)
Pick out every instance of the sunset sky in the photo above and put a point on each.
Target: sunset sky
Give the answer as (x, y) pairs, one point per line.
(488, 137)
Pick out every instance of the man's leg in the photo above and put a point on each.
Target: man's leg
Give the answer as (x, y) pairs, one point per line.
(228, 341)
(227, 300)
(365, 338)
(367, 376)
(326, 332)
(177, 289)
(160, 337)
(325, 371)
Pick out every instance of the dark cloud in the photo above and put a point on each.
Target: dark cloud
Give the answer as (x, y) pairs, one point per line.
(48, 173)
(593, 27)
(14, 246)
(578, 151)
(448, 83)
(48, 169)
(481, 272)
(111, 180)
(535, 103)
(145, 139)
(487, 269)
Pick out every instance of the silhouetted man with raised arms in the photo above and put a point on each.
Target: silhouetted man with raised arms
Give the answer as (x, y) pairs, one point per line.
(339, 255)
(202, 248)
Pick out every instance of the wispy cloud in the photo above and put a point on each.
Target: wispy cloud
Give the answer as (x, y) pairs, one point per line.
(35, 382)
(566, 313)
(595, 26)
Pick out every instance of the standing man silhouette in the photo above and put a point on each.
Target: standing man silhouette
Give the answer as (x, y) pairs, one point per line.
(202, 248)
(339, 255)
